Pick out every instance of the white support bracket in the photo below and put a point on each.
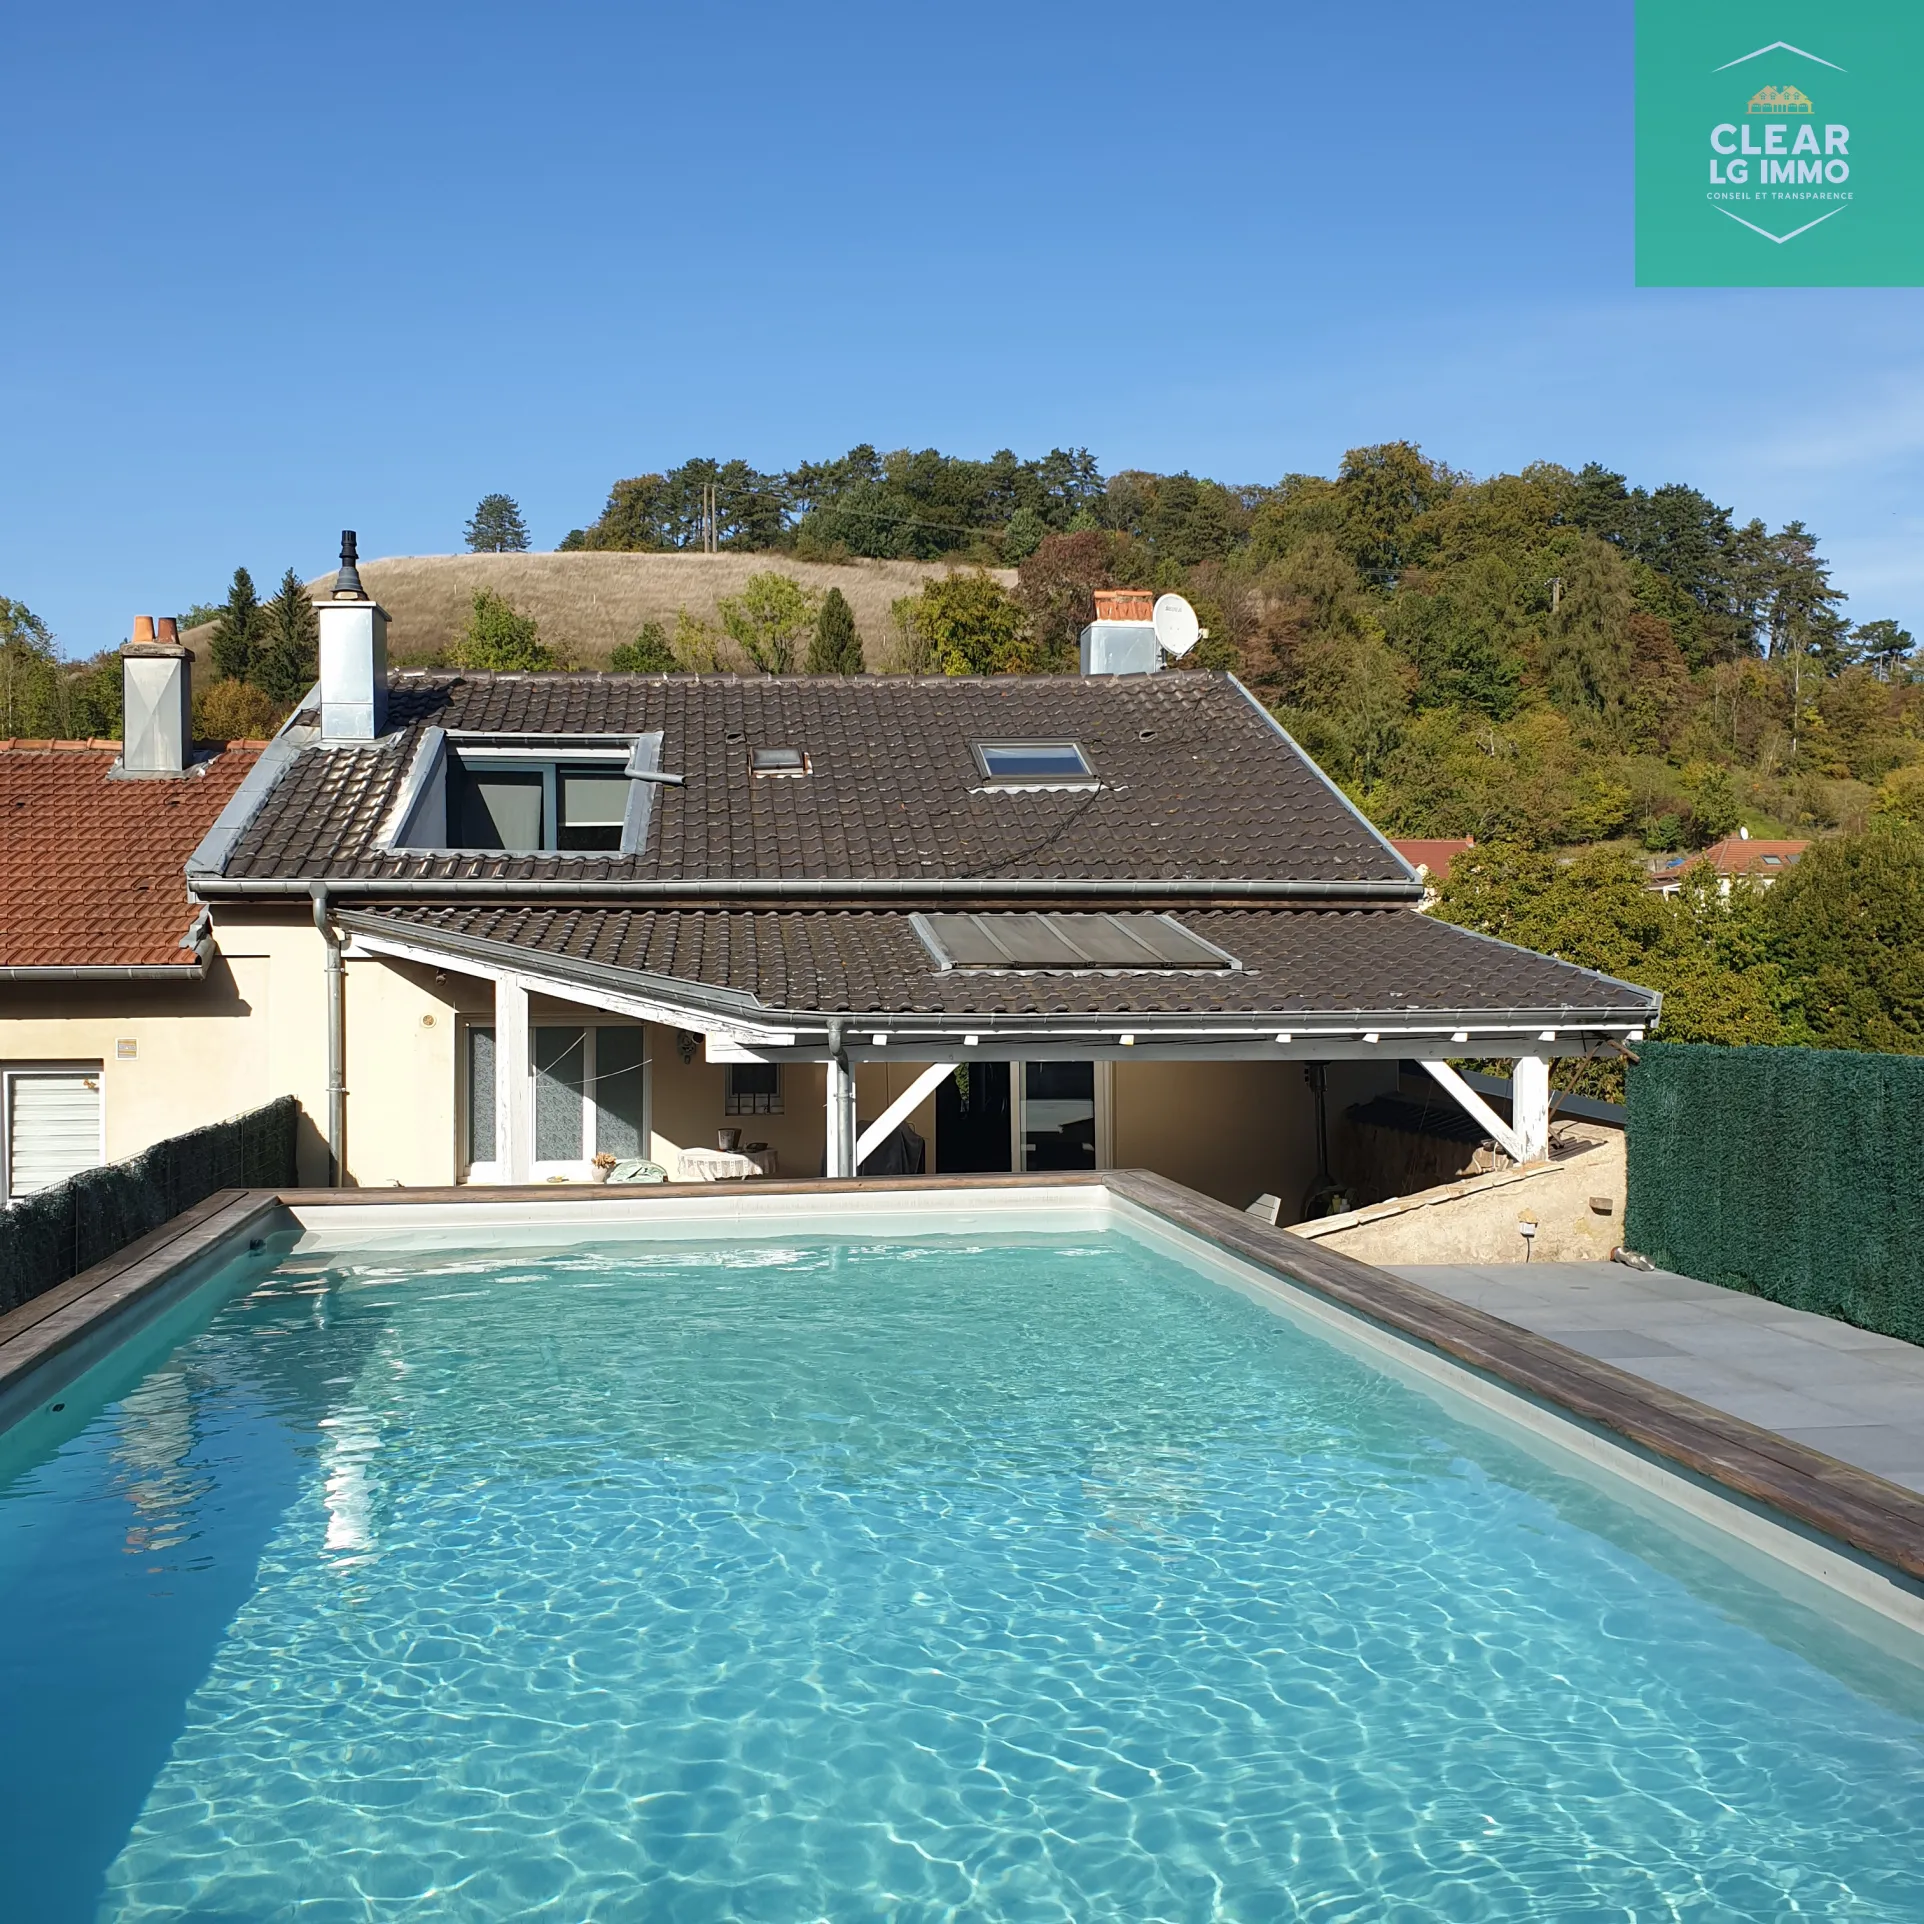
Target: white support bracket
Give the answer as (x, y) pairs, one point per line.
(1513, 1141)
(904, 1105)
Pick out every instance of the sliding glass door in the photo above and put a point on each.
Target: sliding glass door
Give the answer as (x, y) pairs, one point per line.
(590, 1097)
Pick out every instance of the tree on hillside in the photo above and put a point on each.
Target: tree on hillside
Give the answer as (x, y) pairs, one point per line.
(289, 635)
(769, 619)
(1057, 587)
(499, 639)
(236, 637)
(1587, 650)
(964, 624)
(1882, 646)
(836, 648)
(29, 677)
(1381, 492)
(497, 527)
(1846, 926)
(1802, 625)
(1707, 953)
(657, 512)
(648, 654)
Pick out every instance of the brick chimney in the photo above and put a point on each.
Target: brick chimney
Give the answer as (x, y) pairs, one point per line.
(353, 656)
(157, 700)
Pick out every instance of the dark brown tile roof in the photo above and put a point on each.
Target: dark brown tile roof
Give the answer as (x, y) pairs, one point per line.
(1197, 782)
(1305, 962)
(91, 869)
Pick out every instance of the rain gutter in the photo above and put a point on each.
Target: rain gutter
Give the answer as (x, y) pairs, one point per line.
(798, 888)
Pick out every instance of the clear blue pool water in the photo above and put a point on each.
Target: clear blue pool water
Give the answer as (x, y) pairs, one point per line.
(1031, 1579)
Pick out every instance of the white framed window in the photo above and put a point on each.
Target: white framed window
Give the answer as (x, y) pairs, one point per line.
(52, 1125)
(591, 1097)
(1061, 1115)
(753, 1089)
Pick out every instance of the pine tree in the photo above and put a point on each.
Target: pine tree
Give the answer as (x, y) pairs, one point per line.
(497, 527)
(290, 638)
(836, 648)
(236, 641)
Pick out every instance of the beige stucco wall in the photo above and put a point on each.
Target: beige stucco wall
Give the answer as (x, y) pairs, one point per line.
(196, 1047)
(1479, 1220)
(1234, 1130)
(257, 1028)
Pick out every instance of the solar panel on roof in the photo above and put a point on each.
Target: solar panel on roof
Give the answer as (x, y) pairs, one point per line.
(1044, 941)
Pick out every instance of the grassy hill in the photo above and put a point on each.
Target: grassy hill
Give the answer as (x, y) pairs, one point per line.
(588, 604)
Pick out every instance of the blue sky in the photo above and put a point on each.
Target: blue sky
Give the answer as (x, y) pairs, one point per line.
(275, 271)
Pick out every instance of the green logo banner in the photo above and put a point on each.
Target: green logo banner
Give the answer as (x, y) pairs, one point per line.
(1780, 145)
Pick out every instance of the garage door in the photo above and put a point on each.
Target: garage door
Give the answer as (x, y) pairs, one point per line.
(53, 1127)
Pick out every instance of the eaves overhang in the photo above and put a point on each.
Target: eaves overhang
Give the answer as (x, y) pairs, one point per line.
(911, 1034)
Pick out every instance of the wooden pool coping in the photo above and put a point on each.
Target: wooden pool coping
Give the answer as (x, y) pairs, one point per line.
(1879, 1520)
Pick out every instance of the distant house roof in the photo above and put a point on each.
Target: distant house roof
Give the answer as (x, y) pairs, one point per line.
(1190, 780)
(1433, 855)
(92, 867)
(1734, 856)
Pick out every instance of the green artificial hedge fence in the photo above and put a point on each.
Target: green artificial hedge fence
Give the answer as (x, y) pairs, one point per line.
(1795, 1174)
(60, 1231)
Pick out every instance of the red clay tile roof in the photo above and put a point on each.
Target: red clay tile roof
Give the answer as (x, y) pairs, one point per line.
(1737, 855)
(92, 870)
(1434, 853)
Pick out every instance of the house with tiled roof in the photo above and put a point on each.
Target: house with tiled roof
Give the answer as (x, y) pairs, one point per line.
(116, 1012)
(1742, 857)
(490, 927)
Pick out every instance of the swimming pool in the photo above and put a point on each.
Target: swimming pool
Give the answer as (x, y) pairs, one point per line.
(1010, 1573)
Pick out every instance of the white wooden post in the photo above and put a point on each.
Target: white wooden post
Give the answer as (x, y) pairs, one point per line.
(911, 1098)
(513, 1082)
(1530, 1107)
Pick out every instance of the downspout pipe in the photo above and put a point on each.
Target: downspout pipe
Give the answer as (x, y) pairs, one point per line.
(336, 993)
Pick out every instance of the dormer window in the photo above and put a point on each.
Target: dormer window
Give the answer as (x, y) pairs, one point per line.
(529, 794)
(1033, 764)
(777, 761)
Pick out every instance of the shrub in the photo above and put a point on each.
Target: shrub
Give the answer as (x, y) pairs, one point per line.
(499, 639)
(768, 619)
(648, 654)
(234, 711)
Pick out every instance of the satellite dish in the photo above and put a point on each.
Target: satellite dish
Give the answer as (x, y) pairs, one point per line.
(1176, 626)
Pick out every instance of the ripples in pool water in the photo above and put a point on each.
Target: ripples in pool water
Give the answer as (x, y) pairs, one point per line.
(1034, 1579)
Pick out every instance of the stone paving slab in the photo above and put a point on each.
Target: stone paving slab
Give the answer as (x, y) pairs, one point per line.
(1849, 1392)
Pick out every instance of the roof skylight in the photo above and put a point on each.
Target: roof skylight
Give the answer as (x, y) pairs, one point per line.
(1032, 764)
(778, 761)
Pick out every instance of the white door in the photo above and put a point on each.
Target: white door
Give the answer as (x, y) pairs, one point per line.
(53, 1128)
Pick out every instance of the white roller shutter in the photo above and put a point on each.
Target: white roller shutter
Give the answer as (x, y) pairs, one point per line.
(53, 1128)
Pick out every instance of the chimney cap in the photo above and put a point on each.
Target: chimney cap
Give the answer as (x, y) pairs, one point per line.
(1124, 604)
(347, 583)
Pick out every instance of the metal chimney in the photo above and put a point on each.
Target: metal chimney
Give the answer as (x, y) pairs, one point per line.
(157, 702)
(353, 656)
